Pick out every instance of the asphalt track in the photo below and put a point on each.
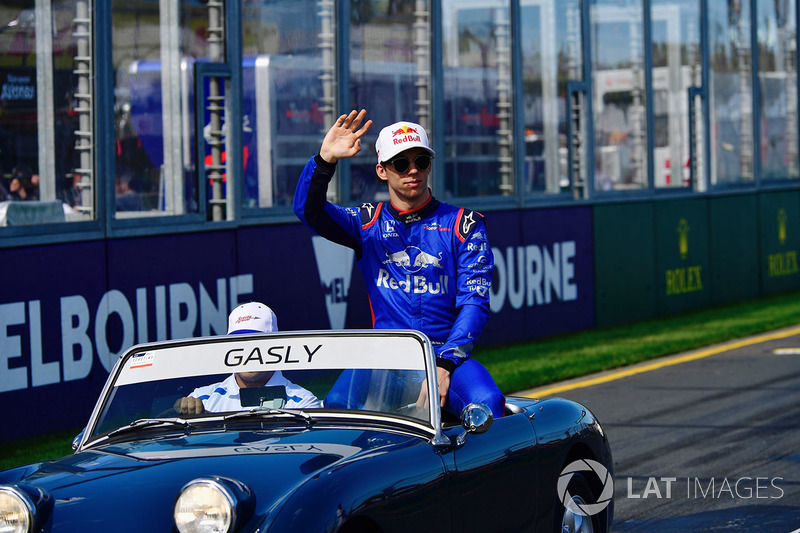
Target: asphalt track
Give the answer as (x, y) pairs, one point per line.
(706, 441)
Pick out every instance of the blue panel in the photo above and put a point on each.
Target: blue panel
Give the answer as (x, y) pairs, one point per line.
(40, 284)
(544, 274)
(288, 276)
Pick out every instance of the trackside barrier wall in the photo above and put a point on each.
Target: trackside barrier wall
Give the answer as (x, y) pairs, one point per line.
(661, 257)
(625, 267)
(63, 325)
(557, 270)
(780, 241)
(683, 276)
(735, 273)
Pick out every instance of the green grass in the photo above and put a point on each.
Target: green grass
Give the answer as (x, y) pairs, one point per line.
(35, 449)
(524, 366)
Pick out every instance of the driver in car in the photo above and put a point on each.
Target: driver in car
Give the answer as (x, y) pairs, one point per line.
(253, 317)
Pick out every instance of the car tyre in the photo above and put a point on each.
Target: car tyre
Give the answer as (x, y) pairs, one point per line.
(572, 521)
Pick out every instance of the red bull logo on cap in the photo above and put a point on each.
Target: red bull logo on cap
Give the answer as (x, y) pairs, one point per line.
(405, 134)
(404, 130)
(398, 137)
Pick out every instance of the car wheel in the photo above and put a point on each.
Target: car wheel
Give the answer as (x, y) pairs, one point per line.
(572, 520)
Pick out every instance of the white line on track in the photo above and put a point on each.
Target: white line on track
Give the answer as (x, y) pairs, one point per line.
(787, 351)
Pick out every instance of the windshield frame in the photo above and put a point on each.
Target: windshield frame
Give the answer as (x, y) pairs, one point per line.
(432, 430)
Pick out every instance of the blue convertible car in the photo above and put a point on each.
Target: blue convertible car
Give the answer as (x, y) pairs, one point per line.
(184, 438)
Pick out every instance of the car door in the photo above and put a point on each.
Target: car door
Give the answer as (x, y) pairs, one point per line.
(494, 477)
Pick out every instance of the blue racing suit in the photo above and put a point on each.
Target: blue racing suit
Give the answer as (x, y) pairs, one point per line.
(429, 269)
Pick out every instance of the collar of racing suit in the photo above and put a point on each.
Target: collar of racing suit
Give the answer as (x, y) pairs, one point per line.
(414, 215)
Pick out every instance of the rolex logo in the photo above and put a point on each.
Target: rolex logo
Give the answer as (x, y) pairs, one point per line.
(683, 238)
(782, 226)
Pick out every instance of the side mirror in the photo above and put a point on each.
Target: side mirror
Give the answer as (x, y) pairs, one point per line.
(78, 438)
(475, 418)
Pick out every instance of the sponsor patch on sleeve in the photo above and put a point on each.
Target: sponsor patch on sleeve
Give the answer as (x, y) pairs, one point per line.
(369, 214)
(466, 221)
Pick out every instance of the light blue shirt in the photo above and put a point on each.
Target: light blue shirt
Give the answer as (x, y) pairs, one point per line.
(224, 396)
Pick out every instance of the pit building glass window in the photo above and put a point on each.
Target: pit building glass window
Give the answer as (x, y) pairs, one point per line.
(477, 99)
(289, 93)
(390, 77)
(619, 103)
(154, 51)
(730, 94)
(46, 113)
(777, 79)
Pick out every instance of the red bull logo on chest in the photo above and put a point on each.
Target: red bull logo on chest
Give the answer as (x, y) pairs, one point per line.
(413, 284)
(413, 259)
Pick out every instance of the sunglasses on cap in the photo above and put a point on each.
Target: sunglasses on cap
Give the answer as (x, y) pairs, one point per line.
(402, 164)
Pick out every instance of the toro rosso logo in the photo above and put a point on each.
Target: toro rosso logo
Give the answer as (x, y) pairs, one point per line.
(412, 259)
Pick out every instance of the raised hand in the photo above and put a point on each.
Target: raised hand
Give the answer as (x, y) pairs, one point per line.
(343, 140)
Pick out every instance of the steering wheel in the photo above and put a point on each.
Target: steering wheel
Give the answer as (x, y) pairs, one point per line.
(168, 413)
(408, 410)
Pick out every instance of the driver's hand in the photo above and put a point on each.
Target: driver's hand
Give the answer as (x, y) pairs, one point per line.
(189, 406)
(443, 377)
(344, 138)
(444, 385)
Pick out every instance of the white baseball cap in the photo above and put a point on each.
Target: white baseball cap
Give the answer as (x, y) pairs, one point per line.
(253, 317)
(399, 137)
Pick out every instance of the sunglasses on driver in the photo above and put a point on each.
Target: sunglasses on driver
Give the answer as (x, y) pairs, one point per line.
(403, 164)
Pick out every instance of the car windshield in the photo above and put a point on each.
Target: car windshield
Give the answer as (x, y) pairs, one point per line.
(373, 371)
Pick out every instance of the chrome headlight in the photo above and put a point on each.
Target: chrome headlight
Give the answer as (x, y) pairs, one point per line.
(211, 505)
(17, 512)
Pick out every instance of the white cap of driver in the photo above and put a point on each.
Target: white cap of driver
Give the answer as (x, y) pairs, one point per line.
(252, 317)
(400, 137)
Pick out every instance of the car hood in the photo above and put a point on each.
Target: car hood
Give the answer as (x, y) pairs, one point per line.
(113, 486)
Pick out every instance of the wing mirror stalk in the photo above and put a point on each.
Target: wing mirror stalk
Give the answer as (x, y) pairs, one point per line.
(475, 418)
